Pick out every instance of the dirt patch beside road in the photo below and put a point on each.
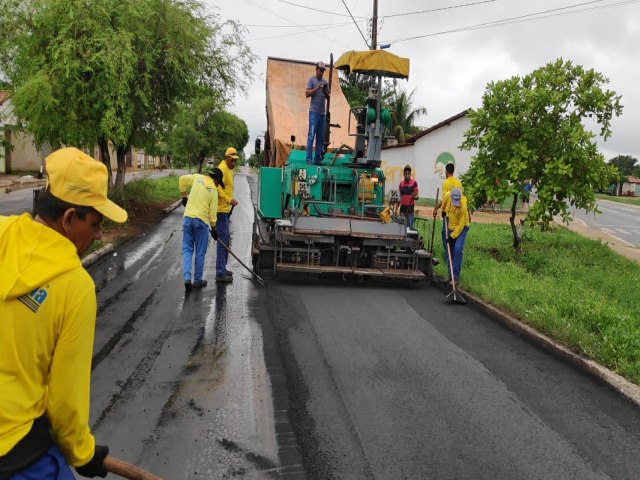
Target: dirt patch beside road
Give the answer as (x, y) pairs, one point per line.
(141, 219)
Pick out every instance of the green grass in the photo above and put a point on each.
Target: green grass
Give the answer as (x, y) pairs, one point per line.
(96, 245)
(576, 290)
(426, 202)
(611, 198)
(143, 193)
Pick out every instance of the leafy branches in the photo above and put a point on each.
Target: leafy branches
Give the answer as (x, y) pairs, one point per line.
(537, 128)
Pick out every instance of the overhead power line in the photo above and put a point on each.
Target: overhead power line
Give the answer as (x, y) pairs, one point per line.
(522, 18)
(294, 23)
(327, 25)
(296, 33)
(318, 10)
(439, 9)
(356, 23)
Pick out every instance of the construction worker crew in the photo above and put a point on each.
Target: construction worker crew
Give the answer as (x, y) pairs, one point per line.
(457, 221)
(225, 202)
(199, 220)
(47, 323)
(318, 90)
(408, 195)
(449, 183)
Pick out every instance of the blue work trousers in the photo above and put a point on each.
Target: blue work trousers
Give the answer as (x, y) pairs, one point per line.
(456, 253)
(50, 466)
(222, 227)
(317, 125)
(195, 237)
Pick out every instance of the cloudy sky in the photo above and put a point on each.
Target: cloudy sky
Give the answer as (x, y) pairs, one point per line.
(455, 47)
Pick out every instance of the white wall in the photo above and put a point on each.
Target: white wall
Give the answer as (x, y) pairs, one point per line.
(423, 156)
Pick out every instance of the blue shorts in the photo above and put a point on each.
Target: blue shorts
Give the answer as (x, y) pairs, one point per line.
(50, 466)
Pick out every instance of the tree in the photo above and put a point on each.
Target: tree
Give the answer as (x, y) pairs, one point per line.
(404, 116)
(114, 71)
(534, 128)
(203, 131)
(625, 166)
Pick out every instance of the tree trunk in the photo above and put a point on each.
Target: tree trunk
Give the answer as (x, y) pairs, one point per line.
(103, 143)
(121, 153)
(200, 162)
(512, 221)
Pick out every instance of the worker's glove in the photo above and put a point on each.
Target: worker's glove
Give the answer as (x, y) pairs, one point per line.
(95, 467)
(184, 201)
(444, 214)
(214, 234)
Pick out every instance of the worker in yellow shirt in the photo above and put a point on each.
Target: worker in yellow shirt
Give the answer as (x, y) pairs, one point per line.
(457, 223)
(47, 323)
(199, 220)
(449, 183)
(225, 194)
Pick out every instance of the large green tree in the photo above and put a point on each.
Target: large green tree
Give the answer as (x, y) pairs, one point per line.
(539, 128)
(114, 71)
(201, 130)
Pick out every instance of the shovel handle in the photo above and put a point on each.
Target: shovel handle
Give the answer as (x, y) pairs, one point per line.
(126, 470)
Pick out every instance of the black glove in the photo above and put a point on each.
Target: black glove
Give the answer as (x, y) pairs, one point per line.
(184, 201)
(95, 467)
(214, 234)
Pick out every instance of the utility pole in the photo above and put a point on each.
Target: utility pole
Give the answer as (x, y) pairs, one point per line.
(374, 26)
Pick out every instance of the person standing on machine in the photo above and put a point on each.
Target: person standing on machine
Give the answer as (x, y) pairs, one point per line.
(318, 90)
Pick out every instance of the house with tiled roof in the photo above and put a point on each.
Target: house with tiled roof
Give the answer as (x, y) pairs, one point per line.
(631, 187)
(427, 152)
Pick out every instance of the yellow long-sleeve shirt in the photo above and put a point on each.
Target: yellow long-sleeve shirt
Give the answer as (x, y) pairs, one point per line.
(203, 198)
(225, 195)
(47, 322)
(457, 217)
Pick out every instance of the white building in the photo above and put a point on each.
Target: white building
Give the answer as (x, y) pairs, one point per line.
(427, 152)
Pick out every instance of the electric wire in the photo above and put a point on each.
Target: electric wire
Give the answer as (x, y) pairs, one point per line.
(296, 33)
(294, 23)
(356, 24)
(296, 26)
(439, 9)
(521, 18)
(318, 10)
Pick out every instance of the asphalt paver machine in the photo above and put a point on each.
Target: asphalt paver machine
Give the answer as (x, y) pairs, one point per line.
(331, 218)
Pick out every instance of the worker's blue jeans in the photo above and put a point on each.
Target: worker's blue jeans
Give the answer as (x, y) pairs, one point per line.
(50, 466)
(195, 236)
(316, 129)
(456, 253)
(222, 227)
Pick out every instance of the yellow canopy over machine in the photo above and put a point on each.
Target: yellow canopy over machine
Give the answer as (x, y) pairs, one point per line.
(375, 63)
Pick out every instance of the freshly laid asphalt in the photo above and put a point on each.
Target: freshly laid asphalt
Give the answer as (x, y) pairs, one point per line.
(314, 378)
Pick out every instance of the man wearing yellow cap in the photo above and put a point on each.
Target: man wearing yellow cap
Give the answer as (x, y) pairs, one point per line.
(225, 202)
(48, 314)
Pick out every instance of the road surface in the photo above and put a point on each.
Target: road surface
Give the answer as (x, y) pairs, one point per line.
(617, 219)
(320, 379)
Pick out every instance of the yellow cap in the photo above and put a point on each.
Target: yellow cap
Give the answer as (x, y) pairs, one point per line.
(231, 152)
(78, 179)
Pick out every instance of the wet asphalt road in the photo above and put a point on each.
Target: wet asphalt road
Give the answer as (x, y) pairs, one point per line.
(179, 385)
(364, 381)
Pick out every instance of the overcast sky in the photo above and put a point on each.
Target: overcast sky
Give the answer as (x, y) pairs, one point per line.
(459, 48)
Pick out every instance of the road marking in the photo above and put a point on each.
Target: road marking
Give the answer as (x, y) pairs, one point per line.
(624, 232)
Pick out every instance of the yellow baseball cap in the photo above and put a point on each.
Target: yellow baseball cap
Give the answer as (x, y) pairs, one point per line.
(76, 178)
(231, 152)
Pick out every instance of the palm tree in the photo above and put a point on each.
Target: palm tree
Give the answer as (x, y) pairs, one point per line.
(404, 115)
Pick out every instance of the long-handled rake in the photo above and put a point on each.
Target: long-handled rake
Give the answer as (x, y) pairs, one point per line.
(454, 296)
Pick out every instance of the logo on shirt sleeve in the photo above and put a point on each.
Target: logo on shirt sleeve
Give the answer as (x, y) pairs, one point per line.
(34, 299)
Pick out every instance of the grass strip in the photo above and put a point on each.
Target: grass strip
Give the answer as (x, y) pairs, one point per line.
(574, 289)
(625, 200)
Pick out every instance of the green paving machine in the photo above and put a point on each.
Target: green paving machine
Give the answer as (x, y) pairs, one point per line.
(331, 218)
